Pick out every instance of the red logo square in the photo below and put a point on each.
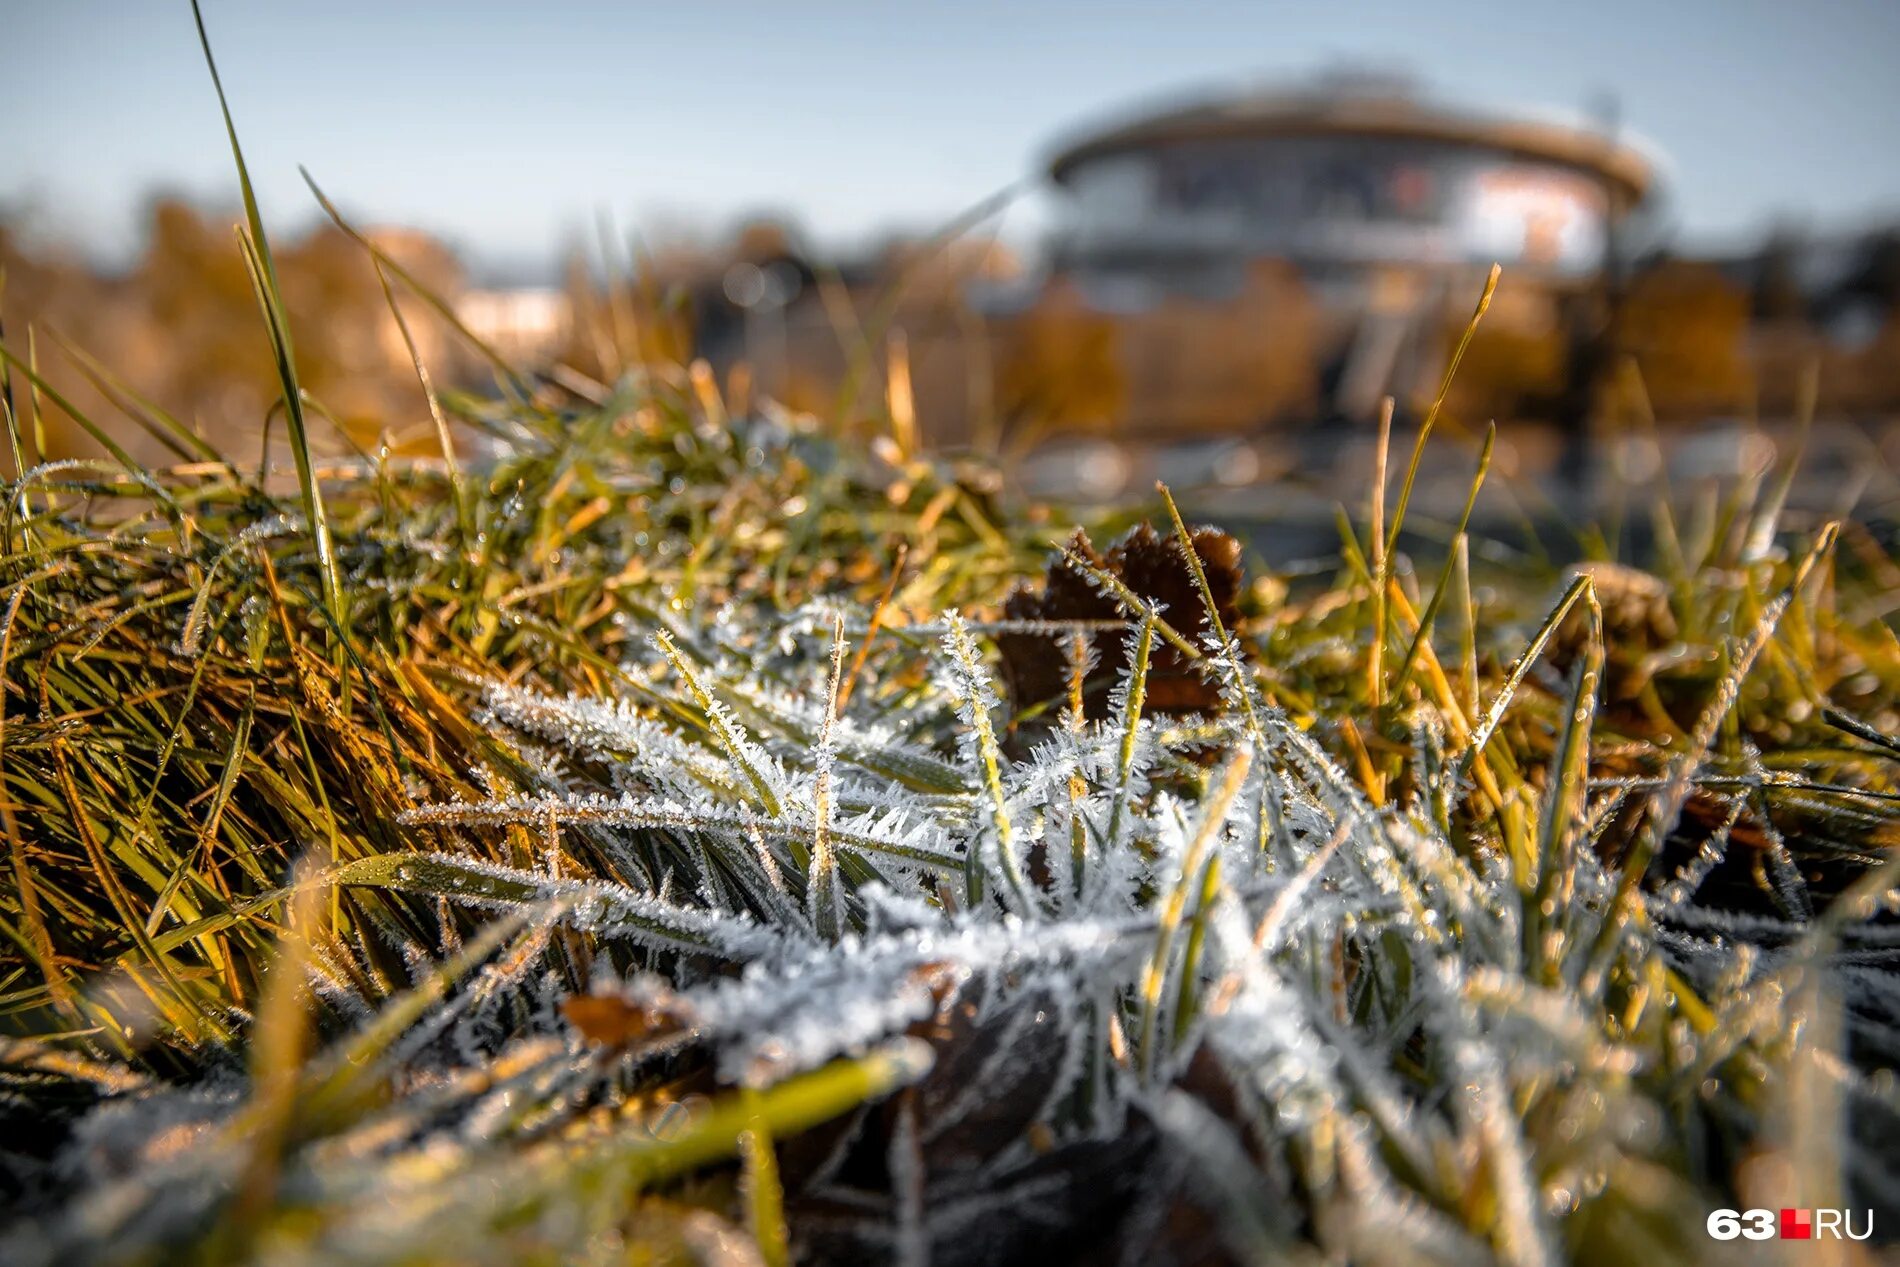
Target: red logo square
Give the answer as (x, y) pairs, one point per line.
(1797, 1225)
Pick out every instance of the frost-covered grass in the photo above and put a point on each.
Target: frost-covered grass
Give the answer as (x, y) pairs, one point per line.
(641, 865)
(611, 842)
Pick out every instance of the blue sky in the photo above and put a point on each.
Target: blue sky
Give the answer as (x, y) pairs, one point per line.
(508, 126)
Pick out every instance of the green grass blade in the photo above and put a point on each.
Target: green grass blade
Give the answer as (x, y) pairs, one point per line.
(263, 269)
(511, 380)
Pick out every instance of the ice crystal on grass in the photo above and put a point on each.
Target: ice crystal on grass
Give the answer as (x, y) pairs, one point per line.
(814, 1001)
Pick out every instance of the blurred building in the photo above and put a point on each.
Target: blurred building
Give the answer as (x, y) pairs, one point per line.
(1383, 207)
(1234, 270)
(1348, 176)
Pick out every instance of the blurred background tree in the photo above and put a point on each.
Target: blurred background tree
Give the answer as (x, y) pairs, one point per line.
(181, 327)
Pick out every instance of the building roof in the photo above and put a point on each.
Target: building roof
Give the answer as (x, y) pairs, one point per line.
(1355, 106)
